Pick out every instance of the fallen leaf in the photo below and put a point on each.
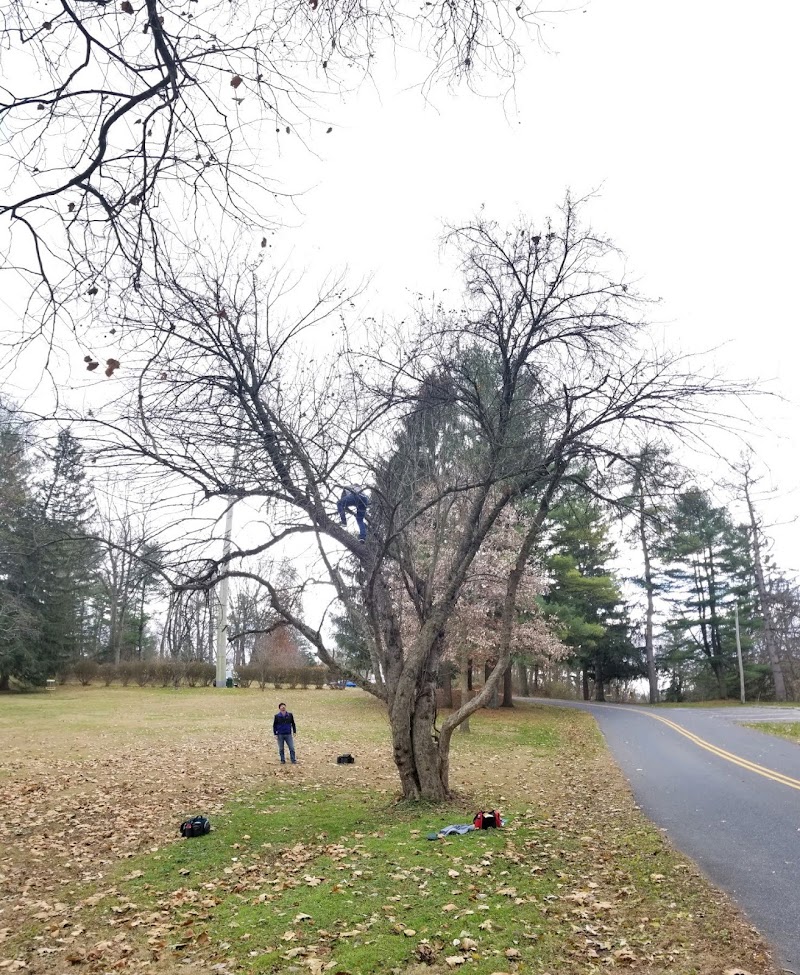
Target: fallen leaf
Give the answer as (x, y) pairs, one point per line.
(426, 953)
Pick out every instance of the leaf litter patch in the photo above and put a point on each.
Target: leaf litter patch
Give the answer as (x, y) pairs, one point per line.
(298, 877)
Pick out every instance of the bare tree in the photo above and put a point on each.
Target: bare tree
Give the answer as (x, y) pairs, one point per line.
(128, 574)
(131, 127)
(544, 371)
(747, 487)
(784, 603)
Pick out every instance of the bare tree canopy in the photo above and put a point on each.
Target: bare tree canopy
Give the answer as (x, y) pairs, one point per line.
(132, 128)
(542, 377)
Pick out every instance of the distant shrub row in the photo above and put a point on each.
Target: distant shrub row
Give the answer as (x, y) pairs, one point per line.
(166, 672)
(277, 677)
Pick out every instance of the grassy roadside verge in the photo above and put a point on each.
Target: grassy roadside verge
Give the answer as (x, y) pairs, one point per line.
(319, 868)
(782, 729)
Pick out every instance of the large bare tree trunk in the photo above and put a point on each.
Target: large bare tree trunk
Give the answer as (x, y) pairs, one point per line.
(488, 668)
(421, 761)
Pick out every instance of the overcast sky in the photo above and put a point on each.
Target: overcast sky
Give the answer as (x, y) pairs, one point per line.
(681, 115)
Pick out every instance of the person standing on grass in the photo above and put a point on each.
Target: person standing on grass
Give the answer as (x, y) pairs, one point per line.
(283, 727)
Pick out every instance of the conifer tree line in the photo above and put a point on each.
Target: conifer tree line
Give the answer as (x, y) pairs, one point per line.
(82, 587)
(74, 588)
(645, 583)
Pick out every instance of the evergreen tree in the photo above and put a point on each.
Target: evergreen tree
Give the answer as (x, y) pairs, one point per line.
(709, 569)
(652, 484)
(23, 656)
(585, 596)
(69, 556)
(17, 623)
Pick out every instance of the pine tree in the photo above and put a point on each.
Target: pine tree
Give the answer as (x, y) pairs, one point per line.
(22, 656)
(709, 569)
(69, 556)
(585, 596)
(652, 484)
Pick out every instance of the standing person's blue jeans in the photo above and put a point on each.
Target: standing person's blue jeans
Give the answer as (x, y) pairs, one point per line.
(286, 740)
(349, 501)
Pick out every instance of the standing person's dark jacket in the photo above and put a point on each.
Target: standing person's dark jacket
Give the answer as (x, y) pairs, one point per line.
(283, 724)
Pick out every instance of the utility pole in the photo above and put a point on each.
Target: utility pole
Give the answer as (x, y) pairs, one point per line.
(222, 612)
(739, 653)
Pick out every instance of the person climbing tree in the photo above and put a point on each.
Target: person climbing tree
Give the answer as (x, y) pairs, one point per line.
(354, 499)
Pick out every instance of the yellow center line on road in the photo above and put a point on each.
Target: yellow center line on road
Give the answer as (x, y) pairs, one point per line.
(720, 752)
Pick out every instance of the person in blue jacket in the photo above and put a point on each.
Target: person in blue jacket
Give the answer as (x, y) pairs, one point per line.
(354, 499)
(283, 727)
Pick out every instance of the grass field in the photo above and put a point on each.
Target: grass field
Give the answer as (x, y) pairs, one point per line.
(319, 867)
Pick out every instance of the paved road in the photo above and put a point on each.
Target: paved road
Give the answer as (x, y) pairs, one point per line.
(736, 815)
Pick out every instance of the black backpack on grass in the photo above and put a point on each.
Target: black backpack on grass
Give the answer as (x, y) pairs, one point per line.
(197, 826)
